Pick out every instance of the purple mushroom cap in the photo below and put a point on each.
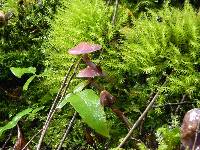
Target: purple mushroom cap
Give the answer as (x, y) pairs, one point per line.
(89, 72)
(84, 48)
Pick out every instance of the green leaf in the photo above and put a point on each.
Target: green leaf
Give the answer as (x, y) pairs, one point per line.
(87, 104)
(25, 87)
(77, 89)
(64, 102)
(80, 86)
(15, 120)
(18, 72)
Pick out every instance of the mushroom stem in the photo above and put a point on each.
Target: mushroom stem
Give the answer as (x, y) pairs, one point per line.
(122, 117)
(88, 62)
(94, 84)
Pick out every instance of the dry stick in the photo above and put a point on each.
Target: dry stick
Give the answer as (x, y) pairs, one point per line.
(7, 140)
(31, 139)
(174, 104)
(139, 119)
(67, 85)
(182, 100)
(52, 108)
(66, 132)
(115, 12)
(108, 2)
(195, 140)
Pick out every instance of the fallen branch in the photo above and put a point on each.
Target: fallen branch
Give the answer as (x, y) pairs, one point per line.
(67, 130)
(140, 118)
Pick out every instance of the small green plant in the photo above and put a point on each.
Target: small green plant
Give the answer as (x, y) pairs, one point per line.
(168, 137)
(19, 72)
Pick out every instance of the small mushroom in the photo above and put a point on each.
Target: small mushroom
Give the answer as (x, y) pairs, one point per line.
(85, 48)
(189, 129)
(106, 99)
(4, 17)
(89, 72)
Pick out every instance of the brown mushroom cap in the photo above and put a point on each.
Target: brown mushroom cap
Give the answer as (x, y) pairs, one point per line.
(84, 48)
(189, 127)
(106, 99)
(89, 72)
(2, 17)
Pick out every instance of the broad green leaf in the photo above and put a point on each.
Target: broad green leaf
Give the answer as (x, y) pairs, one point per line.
(15, 120)
(18, 72)
(25, 87)
(87, 104)
(64, 101)
(80, 86)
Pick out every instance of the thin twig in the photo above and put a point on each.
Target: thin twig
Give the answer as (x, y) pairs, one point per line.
(52, 108)
(108, 2)
(67, 130)
(7, 140)
(65, 90)
(115, 12)
(182, 100)
(174, 104)
(140, 118)
(196, 135)
(31, 139)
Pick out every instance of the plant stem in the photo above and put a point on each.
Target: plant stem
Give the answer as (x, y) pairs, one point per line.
(31, 139)
(139, 119)
(115, 12)
(182, 100)
(52, 110)
(67, 130)
(174, 104)
(7, 140)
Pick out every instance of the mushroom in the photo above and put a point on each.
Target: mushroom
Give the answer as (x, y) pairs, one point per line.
(85, 48)
(90, 72)
(4, 18)
(190, 138)
(107, 100)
